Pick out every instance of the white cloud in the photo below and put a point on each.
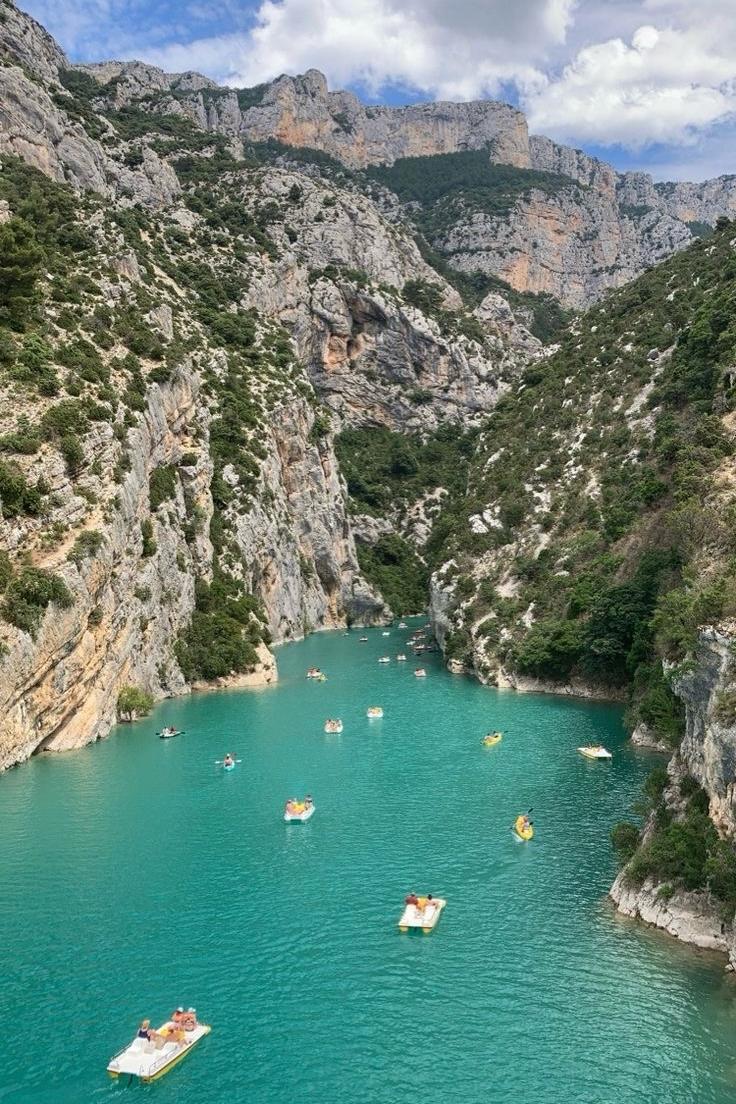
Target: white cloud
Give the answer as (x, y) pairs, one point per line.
(669, 84)
(458, 51)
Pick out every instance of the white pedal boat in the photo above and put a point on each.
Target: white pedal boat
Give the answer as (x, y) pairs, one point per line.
(595, 751)
(374, 711)
(332, 727)
(149, 1060)
(401, 658)
(385, 634)
(298, 812)
(384, 659)
(420, 673)
(425, 918)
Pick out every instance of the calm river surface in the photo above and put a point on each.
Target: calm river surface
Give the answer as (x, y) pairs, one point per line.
(136, 875)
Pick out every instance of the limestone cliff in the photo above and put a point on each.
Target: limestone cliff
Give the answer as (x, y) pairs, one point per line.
(190, 331)
(597, 230)
(707, 756)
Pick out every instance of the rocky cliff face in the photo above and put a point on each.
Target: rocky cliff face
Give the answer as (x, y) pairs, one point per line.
(599, 230)
(707, 756)
(300, 111)
(708, 748)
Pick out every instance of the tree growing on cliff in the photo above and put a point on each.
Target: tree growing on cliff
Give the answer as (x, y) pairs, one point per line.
(133, 702)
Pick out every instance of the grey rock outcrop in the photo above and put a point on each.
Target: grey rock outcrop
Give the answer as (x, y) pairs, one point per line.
(708, 748)
(25, 43)
(707, 754)
(690, 917)
(34, 128)
(373, 358)
(299, 548)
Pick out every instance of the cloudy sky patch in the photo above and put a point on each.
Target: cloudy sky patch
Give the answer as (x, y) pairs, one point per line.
(651, 83)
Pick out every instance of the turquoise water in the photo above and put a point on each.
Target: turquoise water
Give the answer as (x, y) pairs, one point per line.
(136, 875)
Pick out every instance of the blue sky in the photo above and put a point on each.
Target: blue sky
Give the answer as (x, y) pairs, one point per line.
(647, 84)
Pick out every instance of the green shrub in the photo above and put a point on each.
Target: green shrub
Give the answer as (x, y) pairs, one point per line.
(223, 632)
(625, 840)
(71, 449)
(394, 568)
(162, 485)
(65, 418)
(21, 265)
(16, 496)
(88, 543)
(6, 570)
(33, 365)
(551, 649)
(29, 594)
(134, 702)
(656, 783)
(149, 544)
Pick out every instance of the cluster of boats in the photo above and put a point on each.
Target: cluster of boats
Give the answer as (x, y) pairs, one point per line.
(153, 1053)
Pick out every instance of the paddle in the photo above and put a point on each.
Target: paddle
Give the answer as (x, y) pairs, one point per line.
(219, 762)
(528, 813)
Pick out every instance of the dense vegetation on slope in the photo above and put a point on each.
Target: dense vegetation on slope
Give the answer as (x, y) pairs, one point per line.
(441, 186)
(602, 529)
(388, 475)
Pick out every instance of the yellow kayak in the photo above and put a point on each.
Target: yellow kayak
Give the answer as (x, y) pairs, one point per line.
(523, 827)
(492, 738)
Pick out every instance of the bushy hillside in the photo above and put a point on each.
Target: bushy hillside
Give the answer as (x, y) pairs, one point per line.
(598, 530)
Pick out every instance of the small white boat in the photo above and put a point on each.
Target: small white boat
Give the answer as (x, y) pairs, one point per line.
(149, 1059)
(403, 625)
(595, 751)
(332, 726)
(168, 732)
(362, 639)
(400, 658)
(315, 673)
(298, 812)
(384, 659)
(385, 633)
(424, 914)
(374, 711)
(420, 673)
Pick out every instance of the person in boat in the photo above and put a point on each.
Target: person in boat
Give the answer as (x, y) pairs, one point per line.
(411, 898)
(177, 1015)
(228, 760)
(144, 1031)
(308, 803)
